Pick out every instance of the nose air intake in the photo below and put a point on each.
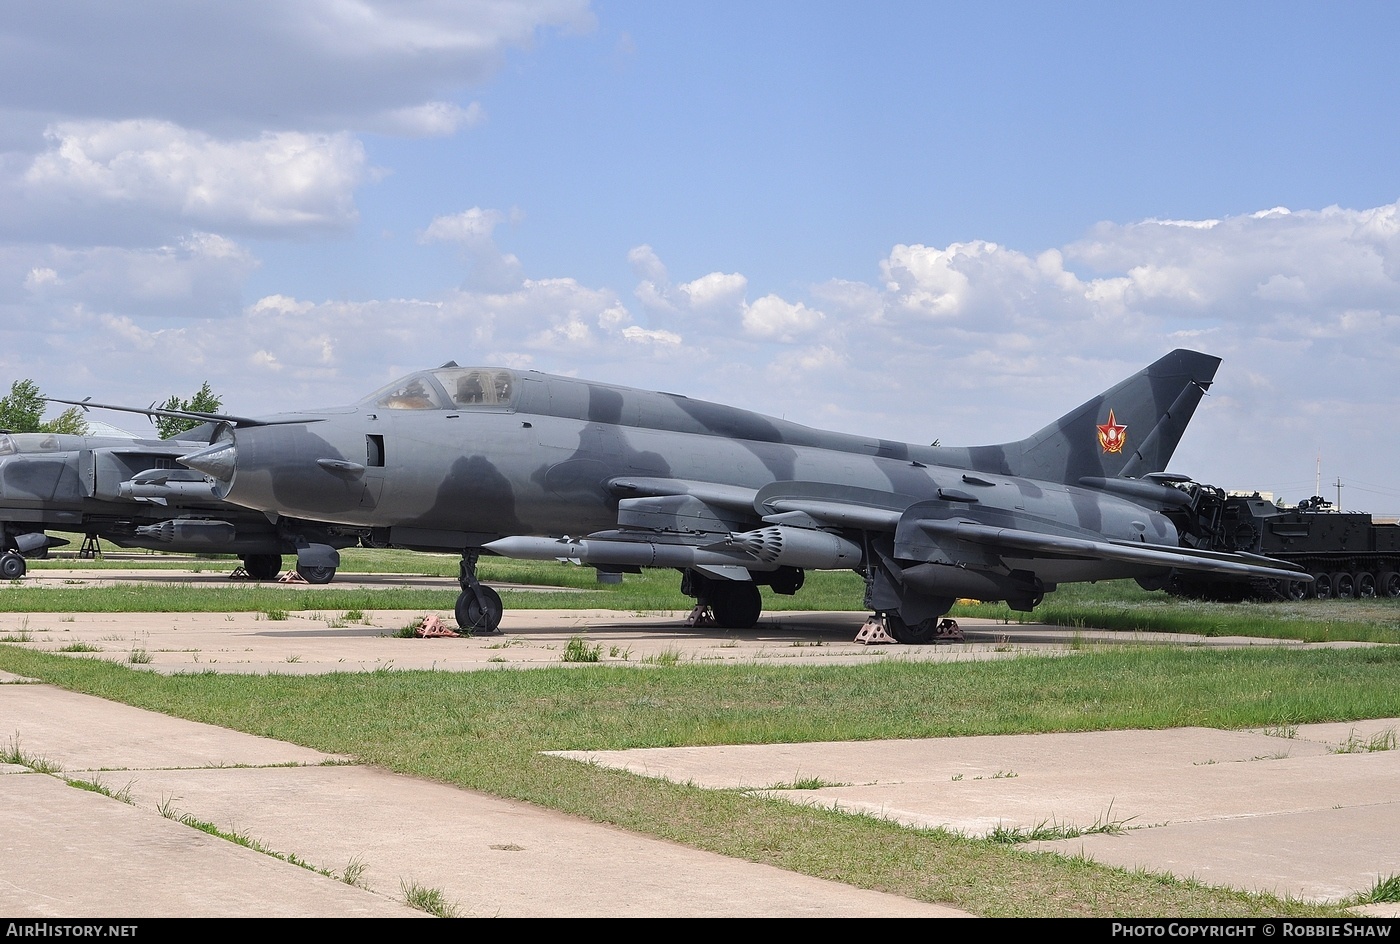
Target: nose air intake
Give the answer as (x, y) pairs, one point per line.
(219, 461)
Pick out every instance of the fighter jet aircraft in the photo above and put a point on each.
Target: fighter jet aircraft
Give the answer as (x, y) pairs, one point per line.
(529, 465)
(132, 493)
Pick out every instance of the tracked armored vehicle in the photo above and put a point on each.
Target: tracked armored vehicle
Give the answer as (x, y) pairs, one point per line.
(1349, 554)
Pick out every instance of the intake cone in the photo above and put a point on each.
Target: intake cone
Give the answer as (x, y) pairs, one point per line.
(218, 461)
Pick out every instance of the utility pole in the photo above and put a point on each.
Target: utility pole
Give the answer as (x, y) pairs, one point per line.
(1339, 493)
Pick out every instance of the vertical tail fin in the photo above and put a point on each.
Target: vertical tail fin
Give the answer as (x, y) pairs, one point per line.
(1129, 430)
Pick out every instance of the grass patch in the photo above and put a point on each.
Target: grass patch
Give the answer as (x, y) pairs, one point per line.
(354, 873)
(96, 785)
(1356, 744)
(667, 657)
(167, 809)
(12, 754)
(1123, 605)
(431, 900)
(578, 650)
(1049, 830)
(804, 783)
(1385, 891)
(79, 647)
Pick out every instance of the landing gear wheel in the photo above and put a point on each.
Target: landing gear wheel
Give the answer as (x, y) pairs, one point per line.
(473, 617)
(12, 566)
(316, 574)
(917, 635)
(263, 566)
(736, 604)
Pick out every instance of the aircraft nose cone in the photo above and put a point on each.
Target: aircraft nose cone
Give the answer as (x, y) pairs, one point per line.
(219, 460)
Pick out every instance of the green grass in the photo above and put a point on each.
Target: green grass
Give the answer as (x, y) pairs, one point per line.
(1384, 891)
(487, 731)
(95, 785)
(578, 650)
(431, 900)
(1123, 605)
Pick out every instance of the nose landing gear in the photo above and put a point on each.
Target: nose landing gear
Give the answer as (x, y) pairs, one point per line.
(479, 608)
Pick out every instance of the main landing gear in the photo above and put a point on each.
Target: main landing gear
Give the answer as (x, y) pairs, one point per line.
(479, 608)
(934, 629)
(268, 566)
(728, 604)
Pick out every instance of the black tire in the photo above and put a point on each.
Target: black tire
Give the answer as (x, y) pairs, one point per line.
(1343, 585)
(736, 604)
(1365, 586)
(263, 566)
(1295, 590)
(918, 635)
(1389, 584)
(12, 566)
(316, 574)
(472, 617)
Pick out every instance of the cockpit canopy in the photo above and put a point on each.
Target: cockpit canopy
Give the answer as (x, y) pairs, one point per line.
(449, 388)
(15, 443)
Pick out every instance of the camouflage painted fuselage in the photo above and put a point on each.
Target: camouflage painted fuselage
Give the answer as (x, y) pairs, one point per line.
(560, 456)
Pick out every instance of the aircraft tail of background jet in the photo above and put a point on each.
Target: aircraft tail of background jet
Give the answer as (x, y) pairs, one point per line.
(1129, 430)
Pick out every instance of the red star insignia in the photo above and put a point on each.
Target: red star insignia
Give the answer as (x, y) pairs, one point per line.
(1111, 435)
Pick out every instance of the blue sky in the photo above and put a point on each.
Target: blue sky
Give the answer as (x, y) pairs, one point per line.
(916, 220)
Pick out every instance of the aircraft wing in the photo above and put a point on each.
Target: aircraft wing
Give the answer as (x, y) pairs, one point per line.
(1038, 543)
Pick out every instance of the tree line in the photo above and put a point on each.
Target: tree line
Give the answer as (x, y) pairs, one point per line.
(22, 411)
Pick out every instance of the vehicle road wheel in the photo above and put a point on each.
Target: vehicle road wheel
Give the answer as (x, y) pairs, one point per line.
(736, 604)
(316, 574)
(263, 566)
(1366, 586)
(1322, 586)
(472, 617)
(1343, 586)
(12, 566)
(1389, 584)
(1295, 590)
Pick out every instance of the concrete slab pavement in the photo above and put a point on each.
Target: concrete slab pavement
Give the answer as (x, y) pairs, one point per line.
(74, 853)
(1304, 811)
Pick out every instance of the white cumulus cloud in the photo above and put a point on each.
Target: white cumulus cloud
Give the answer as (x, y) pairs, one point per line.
(283, 180)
